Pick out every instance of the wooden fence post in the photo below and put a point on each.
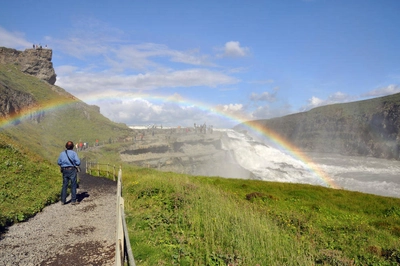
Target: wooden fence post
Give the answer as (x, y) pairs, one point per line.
(119, 241)
(123, 249)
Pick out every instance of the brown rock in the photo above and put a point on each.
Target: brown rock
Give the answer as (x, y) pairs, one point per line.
(35, 62)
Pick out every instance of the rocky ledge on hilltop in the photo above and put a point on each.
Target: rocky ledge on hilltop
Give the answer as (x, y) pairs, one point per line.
(35, 62)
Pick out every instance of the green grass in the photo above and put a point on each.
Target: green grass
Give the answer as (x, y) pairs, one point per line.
(184, 220)
(27, 183)
(63, 117)
(29, 174)
(178, 219)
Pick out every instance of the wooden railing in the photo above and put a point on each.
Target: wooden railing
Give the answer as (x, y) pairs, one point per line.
(123, 250)
(98, 169)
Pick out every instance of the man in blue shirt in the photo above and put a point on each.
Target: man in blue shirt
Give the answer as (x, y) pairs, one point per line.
(67, 160)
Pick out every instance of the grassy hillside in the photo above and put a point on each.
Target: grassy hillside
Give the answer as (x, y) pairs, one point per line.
(177, 219)
(27, 183)
(29, 148)
(63, 117)
(186, 220)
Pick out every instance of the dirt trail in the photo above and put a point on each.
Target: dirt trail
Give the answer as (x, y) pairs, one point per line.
(82, 234)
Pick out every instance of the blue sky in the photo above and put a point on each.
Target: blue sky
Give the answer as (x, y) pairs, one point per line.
(184, 62)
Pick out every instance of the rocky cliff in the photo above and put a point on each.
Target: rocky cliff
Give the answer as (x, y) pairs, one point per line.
(13, 102)
(175, 150)
(36, 62)
(366, 128)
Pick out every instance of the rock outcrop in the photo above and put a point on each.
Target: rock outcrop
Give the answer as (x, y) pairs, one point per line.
(35, 62)
(364, 128)
(14, 102)
(184, 152)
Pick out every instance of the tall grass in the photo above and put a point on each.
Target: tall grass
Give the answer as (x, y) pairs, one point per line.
(63, 117)
(178, 219)
(186, 223)
(186, 220)
(27, 183)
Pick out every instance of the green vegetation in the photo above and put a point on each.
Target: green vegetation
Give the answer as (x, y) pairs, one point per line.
(186, 220)
(27, 183)
(29, 148)
(63, 117)
(362, 128)
(177, 219)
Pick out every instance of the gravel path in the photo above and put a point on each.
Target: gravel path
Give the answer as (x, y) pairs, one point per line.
(82, 234)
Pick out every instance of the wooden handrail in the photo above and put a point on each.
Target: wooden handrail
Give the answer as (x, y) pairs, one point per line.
(123, 250)
(123, 246)
(92, 167)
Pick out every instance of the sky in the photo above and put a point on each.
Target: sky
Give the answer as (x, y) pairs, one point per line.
(176, 63)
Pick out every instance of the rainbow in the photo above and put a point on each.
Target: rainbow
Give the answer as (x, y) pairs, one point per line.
(271, 135)
(292, 150)
(26, 113)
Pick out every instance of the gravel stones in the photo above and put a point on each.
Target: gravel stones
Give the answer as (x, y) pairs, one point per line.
(82, 234)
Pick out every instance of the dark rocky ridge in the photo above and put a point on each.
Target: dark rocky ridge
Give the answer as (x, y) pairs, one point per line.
(363, 128)
(14, 102)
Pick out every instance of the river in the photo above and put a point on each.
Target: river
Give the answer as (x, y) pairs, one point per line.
(269, 163)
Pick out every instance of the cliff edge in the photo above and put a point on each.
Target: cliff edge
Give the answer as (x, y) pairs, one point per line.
(35, 62)
(363, 128)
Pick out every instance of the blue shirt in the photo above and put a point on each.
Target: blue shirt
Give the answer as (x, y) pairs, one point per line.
(63, 159)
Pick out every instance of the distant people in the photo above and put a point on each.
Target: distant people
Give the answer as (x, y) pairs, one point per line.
(67, 160)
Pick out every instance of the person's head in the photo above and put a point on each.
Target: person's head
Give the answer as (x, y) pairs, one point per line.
(69, 145)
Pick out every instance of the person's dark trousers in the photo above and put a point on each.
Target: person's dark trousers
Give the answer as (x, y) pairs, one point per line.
(69, 175)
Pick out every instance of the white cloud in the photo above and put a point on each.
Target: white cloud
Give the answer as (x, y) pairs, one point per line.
(262, 112)
(233, 108)
(14, 40)
(110, 71)
(120, 56)
(233, 49)
(383, 91)
(265, 96)
(118, 69)
(337, 97)
(236, 110)
(66, 70)
(314, 102)
(81, 82)
(144, 56)
(134, 110)
(266, 112)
